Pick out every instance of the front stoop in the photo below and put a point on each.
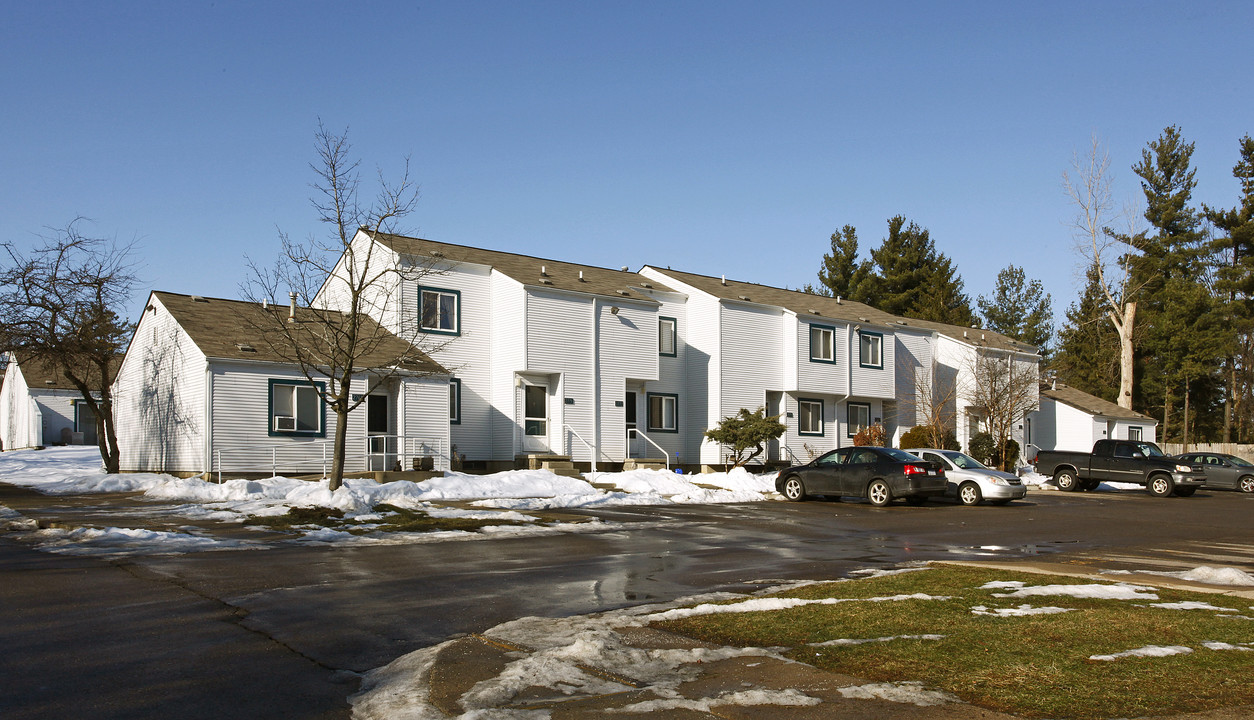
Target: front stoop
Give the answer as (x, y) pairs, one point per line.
(644, 464)
(556, 464)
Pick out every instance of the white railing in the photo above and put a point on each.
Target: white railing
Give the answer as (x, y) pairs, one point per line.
(791, 454)
(304, 457)
(647, 439)
(591, 448)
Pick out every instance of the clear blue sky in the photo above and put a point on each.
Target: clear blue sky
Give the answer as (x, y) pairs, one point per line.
(715, 137)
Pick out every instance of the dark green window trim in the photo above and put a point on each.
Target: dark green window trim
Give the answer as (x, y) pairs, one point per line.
(822, 418)
(320, 389)
(654, 423)
(674, 336)
(455, 401)
(850, 428)
(832, 331)
(457, 320)
(861, 361)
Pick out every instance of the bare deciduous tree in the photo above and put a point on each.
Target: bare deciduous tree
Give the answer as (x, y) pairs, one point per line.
(931, 400)
(1109, 253)
(59, 308)
(1002, 386)
(353, 328)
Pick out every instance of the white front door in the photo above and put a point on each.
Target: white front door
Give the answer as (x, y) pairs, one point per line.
(535, 420)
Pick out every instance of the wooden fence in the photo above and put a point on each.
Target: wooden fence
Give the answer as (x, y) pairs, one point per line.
(1241, 451)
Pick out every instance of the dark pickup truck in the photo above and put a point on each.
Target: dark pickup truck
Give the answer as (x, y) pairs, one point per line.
(1130, 461)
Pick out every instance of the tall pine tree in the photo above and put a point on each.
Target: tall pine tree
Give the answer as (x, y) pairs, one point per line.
(914, 280)
(842, 274)
(1020, 308)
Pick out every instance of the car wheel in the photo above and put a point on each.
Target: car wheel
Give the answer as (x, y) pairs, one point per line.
(879, 493)
(794, 489)
(1161, 485)
(1185, 491)
(1247, 484)
(1066, 481)
(969, 494)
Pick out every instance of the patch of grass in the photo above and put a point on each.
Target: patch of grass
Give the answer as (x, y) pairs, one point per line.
(300, 516)
(1036, 666)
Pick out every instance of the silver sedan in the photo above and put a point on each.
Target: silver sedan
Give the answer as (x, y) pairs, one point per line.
(970, 481)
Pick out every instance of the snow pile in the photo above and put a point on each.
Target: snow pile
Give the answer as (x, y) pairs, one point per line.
(1021, 611)
(743, 698)
(764, 604)
(1118, 591)
(1147, 651)
(901, 692)
(843, 642)
(11, 520)
(122, 542)
(1244, 647)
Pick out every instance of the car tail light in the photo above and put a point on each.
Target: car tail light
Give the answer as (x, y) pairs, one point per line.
(914, 470)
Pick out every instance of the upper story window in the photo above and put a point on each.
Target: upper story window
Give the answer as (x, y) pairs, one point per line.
(296, 408)
(822, 344)
(439, 311)
(666, 337)
(870, 349)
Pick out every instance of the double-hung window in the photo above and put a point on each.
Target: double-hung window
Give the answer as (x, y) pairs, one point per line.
(859, 418)
(296, 409)
(1134, 433)
(809, 417)
(663, 412)
(666, 337)
(822, 344)
(439, 311)
(870, 350)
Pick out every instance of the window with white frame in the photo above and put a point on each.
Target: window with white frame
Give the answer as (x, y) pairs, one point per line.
(666, 344)
(870, 350)
(809, 417)
(822, 344)
(296, 409)
(455, 401)
(859, 418)
(663, 412)
(1134, 433)
(439, 311)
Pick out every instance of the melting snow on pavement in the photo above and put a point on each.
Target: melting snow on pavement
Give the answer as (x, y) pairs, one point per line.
(503, 496)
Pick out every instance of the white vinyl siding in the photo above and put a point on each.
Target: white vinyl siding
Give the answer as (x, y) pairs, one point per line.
(489, 390)
(820, 377)
(627, 350)
(159, 399)
(560, 352)
(875, 382)
(424, 408)
(21, 425)
(914, 369)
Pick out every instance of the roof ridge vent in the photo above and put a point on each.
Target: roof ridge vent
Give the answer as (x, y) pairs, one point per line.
(646, 285)
(623, 292)
(743, 297)
(581, 276)
(245, 347)
(546, 281)
(437, 253)
(724, 279)
(624, 268)
(813, 311)
(200, 298)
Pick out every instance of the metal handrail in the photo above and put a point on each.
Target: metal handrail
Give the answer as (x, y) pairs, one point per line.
(647, 439)
(296, 452)
(591, 449)
(791, 454)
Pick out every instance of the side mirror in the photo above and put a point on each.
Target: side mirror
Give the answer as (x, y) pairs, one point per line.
(1136, 454)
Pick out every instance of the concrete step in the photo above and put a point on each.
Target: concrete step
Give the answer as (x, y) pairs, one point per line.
(644, 464)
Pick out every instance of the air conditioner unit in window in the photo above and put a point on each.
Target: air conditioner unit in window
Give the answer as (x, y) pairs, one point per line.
(283, 422)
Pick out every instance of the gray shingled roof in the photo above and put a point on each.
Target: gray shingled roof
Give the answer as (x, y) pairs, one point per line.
(804, 303)
(533, 272)
(236, 330)
(1092, 404)
(39, 374)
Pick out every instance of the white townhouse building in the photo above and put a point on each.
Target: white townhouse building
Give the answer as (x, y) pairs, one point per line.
(202, 391)
(40, 407)
(547, 358)
(1070, 419)
(828, 366)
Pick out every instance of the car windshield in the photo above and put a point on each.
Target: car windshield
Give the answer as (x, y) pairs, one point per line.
(966, 462)
(900, 455)
(1149, 449)
(1239, 462)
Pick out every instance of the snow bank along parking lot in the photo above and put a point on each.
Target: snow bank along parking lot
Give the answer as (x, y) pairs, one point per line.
(506, 497)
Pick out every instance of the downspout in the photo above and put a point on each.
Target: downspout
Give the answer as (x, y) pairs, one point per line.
(848, 380)
(209, 421)
(596, 382)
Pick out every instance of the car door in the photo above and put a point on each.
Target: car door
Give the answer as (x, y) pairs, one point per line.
(1220, 472)
(858, 471)
(953, 476)
(822, 478)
